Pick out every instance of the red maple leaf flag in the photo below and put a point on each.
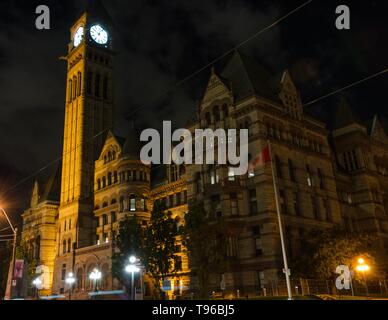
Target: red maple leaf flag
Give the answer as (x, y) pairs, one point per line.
(261, 159)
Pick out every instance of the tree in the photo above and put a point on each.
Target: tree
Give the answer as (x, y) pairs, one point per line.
(130, 241)
(205, 246)
(160, 245)
(154, 245)
(323, 251)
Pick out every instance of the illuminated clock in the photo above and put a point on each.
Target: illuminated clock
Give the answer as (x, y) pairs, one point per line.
(98, 34)
(79, 34)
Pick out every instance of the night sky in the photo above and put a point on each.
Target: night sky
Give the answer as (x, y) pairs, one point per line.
(161, 42)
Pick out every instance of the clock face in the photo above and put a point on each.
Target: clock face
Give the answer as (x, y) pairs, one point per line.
(79, 34)
(99, 34)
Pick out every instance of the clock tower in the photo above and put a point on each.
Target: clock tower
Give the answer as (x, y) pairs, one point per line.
(88, 117)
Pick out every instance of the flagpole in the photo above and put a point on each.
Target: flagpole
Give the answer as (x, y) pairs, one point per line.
(286, 270)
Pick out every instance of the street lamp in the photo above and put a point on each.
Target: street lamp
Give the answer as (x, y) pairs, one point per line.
(95, 276)
(363, 268)
(37, 283)
(70, 281)
(132, 268)
(11, 275)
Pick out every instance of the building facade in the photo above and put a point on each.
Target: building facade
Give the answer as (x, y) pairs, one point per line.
(327, 175)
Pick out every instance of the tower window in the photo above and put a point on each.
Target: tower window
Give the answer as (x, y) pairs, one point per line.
(74, 88)
(70, 93)
(79, 84)
(89, 82)
(105, 88)
(97, 85)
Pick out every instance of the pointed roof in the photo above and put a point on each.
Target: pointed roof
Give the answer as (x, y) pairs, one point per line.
(248, 77)
(97, 10)
(344, 114)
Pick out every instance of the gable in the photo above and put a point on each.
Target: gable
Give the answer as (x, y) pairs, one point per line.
(216, 89)
(111, 146)
(378, 132)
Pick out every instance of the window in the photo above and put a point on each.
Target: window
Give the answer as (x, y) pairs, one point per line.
(185, 196)
(207, 119)
(97, 85)
(214, 177)
(295, 203)
(109, 178)
(315, 205)
(327, 207)
(278, 167)
(113, 217)
(103, 182)
(98, 184)
(132, 203)
(178, 263)
(143, 204)
(79, 84)
(321, 179)
(64, 247)
(253, 201)
(310, 181)
(68, 245)
(216, 114)
(104, 219)
(233, 204)
(258, 247)
(231, 174)
(105, 88)
(225, 111)
(291, 170)
(89, 82)
(282, 202)
(63, 276)
(115, 177)
(70, 90)
(178, 199)
(37, 248)
(171, 201)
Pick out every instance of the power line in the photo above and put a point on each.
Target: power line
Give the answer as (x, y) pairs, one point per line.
(176, 85)
(347, 87)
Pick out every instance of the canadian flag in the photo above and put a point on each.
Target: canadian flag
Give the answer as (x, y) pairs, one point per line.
(261, 159)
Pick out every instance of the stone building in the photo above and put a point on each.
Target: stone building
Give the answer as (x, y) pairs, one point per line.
(329, 173)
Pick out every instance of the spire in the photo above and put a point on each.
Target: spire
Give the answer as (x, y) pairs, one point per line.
(97, 11)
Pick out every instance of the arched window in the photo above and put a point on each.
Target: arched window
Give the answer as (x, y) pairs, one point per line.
(115, 177)
(103, 182)
(208, 119)
(132, 203)
(79, 84)
(97, 85)
(105, 88)
(109, 178)
(68, 245)
(89, 82)
(74, 88)
(225, 111)
(216, 114)
(278, 167)
(80, 278)
(98, 184)
(64, 246)
(70, 90)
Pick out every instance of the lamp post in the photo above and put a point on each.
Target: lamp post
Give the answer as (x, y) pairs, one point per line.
(95, 276)
(70, 281)
(11, 274)
(363, 268)
(132, 268)
(37, 283)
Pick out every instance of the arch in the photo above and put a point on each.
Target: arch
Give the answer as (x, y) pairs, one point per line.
(105, 270)
(80, 280)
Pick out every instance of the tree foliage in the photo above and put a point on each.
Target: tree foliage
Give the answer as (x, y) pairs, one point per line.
(205, 246)
(323, 251)
(154, 244)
